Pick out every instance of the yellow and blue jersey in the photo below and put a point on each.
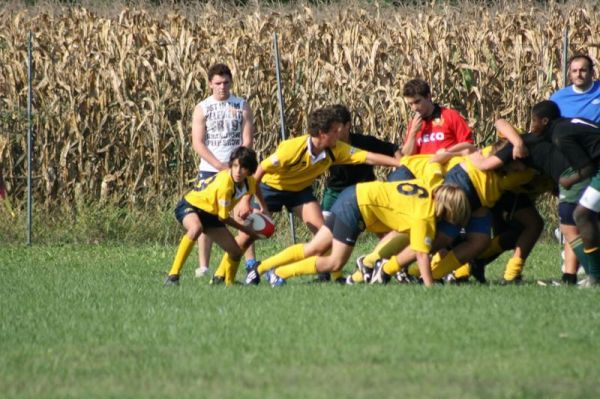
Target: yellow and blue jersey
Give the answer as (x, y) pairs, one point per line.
(420, 164)
(490, 185)
(218, 194)
(405, 206)
(293, 167)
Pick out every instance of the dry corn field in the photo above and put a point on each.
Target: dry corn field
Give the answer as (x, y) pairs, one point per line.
(113, 91)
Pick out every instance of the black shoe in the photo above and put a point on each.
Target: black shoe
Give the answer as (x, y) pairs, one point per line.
(323, 277)
(253, 277)
(478, 272)
(172, 280)
(341, 280)
(217, 280)
(379, 275)
(366, 271)
(569, 279)
(404, 278)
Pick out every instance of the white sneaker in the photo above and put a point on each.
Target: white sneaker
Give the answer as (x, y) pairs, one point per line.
(201, 271)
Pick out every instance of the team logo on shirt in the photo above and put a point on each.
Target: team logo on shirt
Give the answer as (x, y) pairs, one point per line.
(438, 121)
(428, 242)
(596, 101)
(275, 160)
(432, 137)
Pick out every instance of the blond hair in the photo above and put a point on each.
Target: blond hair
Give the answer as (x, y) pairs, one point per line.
(451, 204)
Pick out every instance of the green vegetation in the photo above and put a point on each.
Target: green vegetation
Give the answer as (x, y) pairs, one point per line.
(95, 321)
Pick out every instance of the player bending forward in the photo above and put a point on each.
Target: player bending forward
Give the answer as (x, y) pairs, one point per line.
(409, 207)
(206, 209)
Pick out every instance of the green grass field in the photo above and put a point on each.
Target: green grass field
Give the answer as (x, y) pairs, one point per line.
(95, 321)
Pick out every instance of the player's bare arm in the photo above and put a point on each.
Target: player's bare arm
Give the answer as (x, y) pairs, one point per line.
(408, 148)
(484, 163)
(507, 130)
(425, 268)
(381, 160)
(247, 126)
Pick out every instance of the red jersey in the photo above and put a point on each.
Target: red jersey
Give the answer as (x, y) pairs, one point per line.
(444, 128)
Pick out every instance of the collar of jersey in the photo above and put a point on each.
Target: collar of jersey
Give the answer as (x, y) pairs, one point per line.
(576, 90)
(315, 158)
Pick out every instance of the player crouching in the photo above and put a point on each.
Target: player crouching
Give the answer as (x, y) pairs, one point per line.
(410, 207)
(206, 209)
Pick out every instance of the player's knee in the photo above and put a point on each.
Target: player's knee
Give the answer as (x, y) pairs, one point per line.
(235, 254)
(482, 243)
(194, 232)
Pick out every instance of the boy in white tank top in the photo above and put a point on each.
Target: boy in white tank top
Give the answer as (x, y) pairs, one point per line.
(220, 123)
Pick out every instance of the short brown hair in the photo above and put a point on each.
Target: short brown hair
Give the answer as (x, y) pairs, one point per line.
(322, 119)
(219, 69)
(416, 87)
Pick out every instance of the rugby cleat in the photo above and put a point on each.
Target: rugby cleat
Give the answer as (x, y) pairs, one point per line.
(366, 271)
(478, 272)
(341, 280)
(172, 281)
(379, 275)
(274, 279)
(253, 277)
(217, 280)
(322, 277)
(404, 278)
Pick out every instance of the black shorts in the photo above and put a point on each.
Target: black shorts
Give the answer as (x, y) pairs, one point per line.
(208, 220)
(277, 199)
(346, 222)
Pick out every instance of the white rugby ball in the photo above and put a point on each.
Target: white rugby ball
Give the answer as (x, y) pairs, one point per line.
(261, 224)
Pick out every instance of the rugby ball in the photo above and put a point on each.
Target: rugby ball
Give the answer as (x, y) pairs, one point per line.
(261, 224)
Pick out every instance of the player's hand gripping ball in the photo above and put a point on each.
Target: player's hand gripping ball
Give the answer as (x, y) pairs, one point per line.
(262, 225)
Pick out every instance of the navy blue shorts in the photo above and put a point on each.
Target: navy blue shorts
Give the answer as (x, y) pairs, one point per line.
(401, 173)
(346, 222)
(565, 213)
(208, 220)
(277, 199)
(459, 177)
(203, 174)
(481, 224)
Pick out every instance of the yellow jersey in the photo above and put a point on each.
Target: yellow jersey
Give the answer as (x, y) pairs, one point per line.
(293, 167)
(490, 185)
(406, 207)
(218, 194)
(419, 164)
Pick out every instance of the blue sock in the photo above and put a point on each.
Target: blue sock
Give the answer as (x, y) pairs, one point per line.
(250, 263)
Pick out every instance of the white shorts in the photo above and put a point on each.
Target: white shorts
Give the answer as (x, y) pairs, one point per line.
(590, 199)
